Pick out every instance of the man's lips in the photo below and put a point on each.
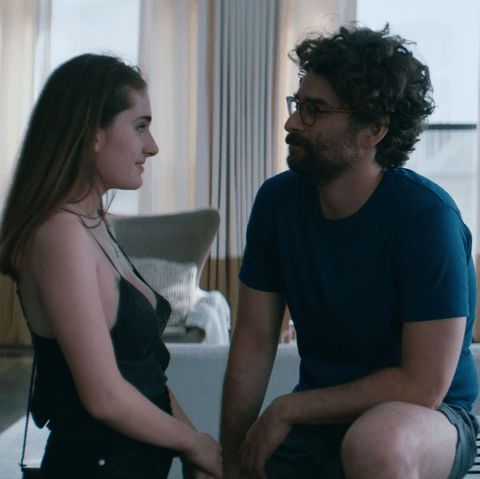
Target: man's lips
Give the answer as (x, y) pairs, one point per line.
(295, 140)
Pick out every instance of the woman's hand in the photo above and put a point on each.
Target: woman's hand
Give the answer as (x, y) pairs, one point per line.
(205, 454)
(190, 471)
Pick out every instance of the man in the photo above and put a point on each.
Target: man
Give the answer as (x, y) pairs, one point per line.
(375, 265)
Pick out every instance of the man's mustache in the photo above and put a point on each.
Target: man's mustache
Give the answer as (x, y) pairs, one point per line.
(296, 140)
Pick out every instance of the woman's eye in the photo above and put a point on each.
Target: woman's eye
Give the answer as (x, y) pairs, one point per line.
(141, 127)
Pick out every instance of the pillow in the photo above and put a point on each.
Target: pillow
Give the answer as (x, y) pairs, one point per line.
(177, 282)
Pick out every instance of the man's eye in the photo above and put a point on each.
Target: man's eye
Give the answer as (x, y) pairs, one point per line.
(310, 109)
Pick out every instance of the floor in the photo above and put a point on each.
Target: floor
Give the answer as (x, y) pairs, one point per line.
(15, 371)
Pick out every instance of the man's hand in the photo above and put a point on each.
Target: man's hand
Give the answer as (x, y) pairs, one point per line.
(263, 438)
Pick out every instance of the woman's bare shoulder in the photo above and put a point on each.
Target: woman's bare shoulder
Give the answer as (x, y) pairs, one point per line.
(59, 224)
(61, 229)
(61, 238)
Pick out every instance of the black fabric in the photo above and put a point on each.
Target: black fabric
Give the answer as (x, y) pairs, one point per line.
(99, 459)
(32, 473)
(80, 444)
(309, 452)
(141, 356)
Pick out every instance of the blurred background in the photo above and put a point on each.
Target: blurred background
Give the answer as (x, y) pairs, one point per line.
(218, 74)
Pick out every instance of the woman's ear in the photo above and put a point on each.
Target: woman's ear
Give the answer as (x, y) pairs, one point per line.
(374, 134)
(100, 140)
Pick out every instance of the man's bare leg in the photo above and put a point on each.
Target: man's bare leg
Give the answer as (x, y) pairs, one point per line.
(399, 441)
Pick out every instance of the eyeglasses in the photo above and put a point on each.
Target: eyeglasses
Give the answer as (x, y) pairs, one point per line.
(309, 111)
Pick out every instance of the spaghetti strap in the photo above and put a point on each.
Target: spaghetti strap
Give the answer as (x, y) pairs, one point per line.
(135, 271)
(127, 258)
(96, 241)
(104, 252)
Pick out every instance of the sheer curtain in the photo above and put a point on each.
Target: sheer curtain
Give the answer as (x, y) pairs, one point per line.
(24, 49)
(167, 58)
(238, 121)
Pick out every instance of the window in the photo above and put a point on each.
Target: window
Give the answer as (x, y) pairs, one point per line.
(448, 40)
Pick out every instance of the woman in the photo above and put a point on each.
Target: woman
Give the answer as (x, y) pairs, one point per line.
(95, 324)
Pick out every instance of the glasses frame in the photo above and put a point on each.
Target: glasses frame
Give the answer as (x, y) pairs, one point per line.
(291, 100)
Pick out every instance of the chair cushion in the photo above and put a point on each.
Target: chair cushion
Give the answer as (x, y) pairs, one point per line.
(177, 282)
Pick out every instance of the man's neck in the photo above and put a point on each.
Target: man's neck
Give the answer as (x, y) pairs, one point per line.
(350, 192)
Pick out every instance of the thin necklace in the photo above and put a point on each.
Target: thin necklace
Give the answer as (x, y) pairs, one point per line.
(113, 242)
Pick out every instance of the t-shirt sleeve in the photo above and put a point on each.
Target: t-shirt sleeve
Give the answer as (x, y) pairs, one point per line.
(261, 266)
(432, 266)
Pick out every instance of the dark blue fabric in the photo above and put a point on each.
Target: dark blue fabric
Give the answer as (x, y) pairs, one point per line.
(351, 283)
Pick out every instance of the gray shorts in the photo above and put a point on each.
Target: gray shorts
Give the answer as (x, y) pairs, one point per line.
(313, 452)
(467, 428)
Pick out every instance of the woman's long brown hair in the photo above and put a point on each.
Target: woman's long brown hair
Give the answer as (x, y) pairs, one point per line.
(56, 162)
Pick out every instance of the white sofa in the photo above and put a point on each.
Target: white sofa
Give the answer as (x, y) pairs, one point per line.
(196, 373)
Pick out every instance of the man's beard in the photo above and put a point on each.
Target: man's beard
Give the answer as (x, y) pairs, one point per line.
(322, 162)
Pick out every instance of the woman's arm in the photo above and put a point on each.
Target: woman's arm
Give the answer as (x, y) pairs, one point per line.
(190, 470)
(64, 268)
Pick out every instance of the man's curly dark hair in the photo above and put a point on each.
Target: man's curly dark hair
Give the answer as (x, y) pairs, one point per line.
(376, 75)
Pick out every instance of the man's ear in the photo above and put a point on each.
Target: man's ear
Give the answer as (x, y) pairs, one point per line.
(374, 134)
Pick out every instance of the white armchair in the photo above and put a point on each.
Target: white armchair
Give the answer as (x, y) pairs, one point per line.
(170, 252)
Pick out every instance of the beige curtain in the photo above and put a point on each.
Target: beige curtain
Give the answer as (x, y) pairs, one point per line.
(238, 124)
(24, 47)
(167, 58)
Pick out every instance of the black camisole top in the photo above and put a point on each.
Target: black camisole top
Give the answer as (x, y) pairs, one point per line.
(141, 356)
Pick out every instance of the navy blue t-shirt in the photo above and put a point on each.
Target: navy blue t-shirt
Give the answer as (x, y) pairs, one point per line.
(351, 283)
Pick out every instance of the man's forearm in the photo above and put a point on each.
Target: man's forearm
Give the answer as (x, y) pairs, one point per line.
(430, 352)
(252, 353)
(346, 402)
(245, 385)
(239, 411)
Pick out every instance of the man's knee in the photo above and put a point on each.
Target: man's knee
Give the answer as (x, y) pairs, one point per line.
(379, 444)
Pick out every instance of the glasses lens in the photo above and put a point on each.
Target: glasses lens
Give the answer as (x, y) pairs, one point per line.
(306, 114)
(291, 105)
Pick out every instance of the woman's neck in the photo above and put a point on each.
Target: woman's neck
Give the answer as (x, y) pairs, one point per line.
(87, 207)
